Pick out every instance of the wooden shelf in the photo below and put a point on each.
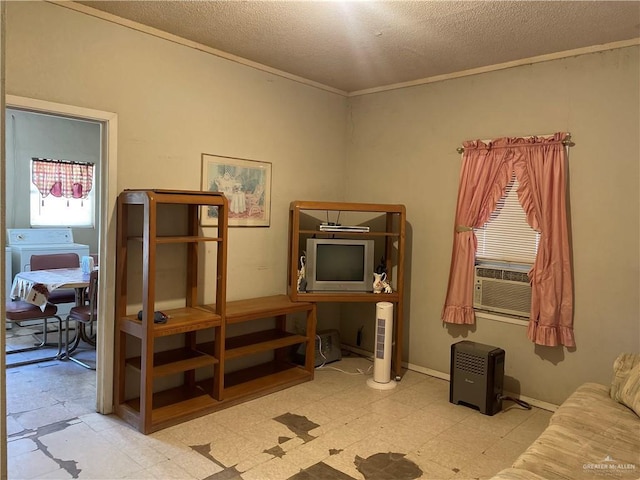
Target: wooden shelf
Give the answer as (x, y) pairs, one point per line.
(263, 307)
(348, 297)
(252, 343)
(273, 376)
(264, 378)
(181, 404)
(151, 411)
(389, 227)
(181, 320)
(348, 234)
(173, 197)
(171, 407)
(348, 207)
(174, 361)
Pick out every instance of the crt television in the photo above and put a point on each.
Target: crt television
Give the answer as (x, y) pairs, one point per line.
(339, 265)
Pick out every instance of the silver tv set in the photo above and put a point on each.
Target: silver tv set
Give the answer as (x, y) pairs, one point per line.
(339, 265)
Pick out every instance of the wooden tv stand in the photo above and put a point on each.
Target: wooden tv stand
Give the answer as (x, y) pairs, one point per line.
(388, 228)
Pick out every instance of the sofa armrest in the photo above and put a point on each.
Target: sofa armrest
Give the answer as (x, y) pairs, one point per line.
(622, 368)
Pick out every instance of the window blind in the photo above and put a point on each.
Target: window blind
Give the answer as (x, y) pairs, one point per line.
(507, 237)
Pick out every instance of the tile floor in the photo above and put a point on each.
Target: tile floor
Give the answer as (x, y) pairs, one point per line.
(335, 427)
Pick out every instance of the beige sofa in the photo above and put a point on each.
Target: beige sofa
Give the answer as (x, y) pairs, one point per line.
(595, 433)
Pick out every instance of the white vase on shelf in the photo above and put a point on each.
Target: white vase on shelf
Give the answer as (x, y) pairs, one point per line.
(379, 279)
(380, 284)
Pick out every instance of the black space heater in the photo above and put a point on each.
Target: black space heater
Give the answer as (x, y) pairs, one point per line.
(477, 375)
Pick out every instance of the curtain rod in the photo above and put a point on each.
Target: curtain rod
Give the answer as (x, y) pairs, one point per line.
(567, 142)
(51, 160)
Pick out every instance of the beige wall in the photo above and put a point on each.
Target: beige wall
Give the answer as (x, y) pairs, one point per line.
(402, 149)
(175, 103)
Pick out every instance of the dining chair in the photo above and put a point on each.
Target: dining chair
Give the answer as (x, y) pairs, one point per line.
(83, 315)
(57, 260)
(21, 311)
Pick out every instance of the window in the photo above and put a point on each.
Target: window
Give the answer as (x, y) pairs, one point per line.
(52, 211)
(61, 212)
(507, 237)
(507, 248)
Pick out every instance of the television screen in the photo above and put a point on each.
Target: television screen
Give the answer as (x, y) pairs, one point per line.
(334, 264)
(343, 263)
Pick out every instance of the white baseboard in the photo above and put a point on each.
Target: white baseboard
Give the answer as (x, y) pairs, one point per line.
(357, 350)
(428, 371)
(445, 376)
(550, 407)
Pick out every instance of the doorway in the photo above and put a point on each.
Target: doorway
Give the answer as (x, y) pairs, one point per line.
(107, 178)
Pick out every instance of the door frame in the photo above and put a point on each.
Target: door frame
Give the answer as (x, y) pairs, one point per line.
(106, 233)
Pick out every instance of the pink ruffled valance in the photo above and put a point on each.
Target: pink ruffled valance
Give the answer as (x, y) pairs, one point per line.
(62, 179)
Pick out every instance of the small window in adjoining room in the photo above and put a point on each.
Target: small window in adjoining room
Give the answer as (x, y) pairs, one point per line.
(507, 237)
(61, 194)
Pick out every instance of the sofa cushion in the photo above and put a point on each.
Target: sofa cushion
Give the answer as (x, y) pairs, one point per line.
(595, 432)
(591, 411)
(560, 453)
(588, 434)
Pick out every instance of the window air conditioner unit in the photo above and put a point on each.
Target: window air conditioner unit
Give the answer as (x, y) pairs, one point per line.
(502, 290)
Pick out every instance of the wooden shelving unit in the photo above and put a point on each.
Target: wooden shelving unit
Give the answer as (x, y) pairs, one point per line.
(139, 226)
(154, 405)
(281, 371)
(392, 232)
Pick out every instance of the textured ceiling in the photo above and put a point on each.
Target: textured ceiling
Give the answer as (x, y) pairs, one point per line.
(357, 45)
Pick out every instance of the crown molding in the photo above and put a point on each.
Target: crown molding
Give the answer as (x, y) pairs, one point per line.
(413, 83)
(189, 43)
(501, 66)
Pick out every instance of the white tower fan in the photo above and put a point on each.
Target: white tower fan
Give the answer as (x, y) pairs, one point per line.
(382, 355)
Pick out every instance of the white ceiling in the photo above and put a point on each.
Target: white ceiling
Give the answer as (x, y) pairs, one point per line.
(358, 45)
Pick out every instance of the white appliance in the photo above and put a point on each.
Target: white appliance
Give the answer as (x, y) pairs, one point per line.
(502, 290)
(25, 242)
(382, 356)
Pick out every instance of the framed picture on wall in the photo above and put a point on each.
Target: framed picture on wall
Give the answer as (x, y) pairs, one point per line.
(245, 183)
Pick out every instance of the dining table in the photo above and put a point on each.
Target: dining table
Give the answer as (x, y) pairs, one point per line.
(34, 286)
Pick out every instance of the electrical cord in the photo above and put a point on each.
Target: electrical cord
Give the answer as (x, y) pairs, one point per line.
(522, 403)
(358, 372)
(321, 352)
(324, 367)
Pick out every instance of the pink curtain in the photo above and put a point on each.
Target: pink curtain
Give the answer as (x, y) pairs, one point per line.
(541, 171)
(540, 165)
(62, 179)
(483, 178)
